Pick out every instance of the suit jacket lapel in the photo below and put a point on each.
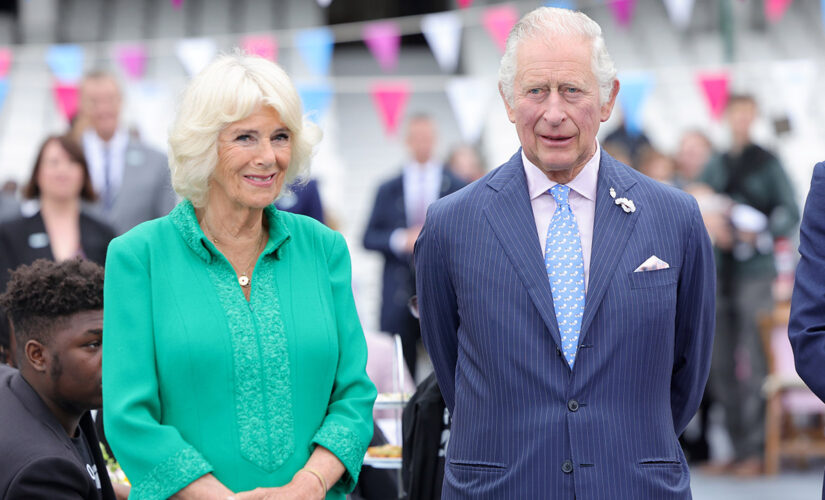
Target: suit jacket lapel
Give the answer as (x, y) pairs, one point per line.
(511, 217)
(611, 230)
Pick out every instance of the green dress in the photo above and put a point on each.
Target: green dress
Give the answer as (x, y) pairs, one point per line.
(197, 380)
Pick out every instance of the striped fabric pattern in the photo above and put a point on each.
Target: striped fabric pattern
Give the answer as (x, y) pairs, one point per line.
(525, 423)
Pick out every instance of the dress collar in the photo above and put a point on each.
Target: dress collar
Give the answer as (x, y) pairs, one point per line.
(184, 219)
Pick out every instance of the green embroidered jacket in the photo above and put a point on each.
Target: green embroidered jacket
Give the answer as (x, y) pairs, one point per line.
(197, 380)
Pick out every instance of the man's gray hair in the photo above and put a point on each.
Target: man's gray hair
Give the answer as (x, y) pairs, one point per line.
(547, 22)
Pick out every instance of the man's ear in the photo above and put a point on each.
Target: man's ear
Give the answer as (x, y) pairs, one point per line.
(607, 108)
(36, 355)
(510, 114)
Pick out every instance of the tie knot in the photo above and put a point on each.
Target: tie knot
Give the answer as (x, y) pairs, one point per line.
(560, 193)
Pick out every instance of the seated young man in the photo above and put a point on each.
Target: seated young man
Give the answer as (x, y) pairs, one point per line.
(50, 449)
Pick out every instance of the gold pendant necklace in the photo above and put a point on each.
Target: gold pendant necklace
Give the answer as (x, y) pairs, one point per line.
(243, 279)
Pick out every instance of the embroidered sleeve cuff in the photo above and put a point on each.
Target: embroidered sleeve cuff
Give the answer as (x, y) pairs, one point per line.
(346, 445)
(171, 476)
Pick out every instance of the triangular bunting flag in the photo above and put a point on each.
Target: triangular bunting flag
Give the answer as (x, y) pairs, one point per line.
(561, 4)
(715, 87)
(195, 54)
(177, 4)
(132, 59)
(797, 80)
(679, 12)
(465, 3)
(316, 100)
(443, 33)
(498, 21)
(469, 98)
(622, 11)
(383, 39)
(66, 62)
(635, 88)
(4, 91)
(390, 99)
(5, 61)
(315, 47)
(775, 9)
(261, 45)
(66, 95)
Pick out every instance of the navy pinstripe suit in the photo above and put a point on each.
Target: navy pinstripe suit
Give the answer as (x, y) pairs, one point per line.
(526, 426)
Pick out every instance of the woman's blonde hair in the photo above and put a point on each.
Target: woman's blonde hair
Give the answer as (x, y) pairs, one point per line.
(231, 88)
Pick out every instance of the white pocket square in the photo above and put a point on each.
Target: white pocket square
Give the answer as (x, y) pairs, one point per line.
(653, 263)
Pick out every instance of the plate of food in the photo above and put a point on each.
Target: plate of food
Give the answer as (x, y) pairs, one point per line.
(387, 456)
(390, 400)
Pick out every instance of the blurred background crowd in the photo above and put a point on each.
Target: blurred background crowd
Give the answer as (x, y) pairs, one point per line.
(718, 98)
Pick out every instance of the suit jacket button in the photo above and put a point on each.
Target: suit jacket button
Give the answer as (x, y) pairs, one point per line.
(567, 467)
(573, 405)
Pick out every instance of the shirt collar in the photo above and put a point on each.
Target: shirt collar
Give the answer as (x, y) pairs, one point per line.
(119, 140)
(585, 183)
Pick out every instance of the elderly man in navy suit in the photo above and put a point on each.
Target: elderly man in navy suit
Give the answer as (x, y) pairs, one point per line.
(807, 326)
(566, 300)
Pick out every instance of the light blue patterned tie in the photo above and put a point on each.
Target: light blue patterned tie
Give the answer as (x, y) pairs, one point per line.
(565, 270)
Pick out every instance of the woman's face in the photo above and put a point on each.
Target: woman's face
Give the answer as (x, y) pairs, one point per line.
(59, 177)
(253, 156)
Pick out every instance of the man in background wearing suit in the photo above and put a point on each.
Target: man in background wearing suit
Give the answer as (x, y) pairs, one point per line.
(131, 178)
(566, 300)
(397, 216)
(50, 448)
(807, 326)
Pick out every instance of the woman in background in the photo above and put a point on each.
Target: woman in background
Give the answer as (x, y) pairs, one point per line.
(60, 229)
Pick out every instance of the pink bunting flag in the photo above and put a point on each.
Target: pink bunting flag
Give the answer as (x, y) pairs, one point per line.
(465, 3)
(622, 11)
(177, 4)
(383, 39)
(66, 95)
(775, 9)
(5, 61)
(391, 99)
(132, 59)
(715, 87)
(262, 45)
(499, 21)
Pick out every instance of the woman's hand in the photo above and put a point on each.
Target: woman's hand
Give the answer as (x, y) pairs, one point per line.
(304, 486)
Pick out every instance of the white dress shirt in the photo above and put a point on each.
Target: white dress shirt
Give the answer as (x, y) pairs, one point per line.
(422, 184)
(582, 201)
(94, 148)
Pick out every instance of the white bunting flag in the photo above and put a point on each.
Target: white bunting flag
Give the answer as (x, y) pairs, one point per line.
(679, 12)
(443, 33)
(470, 99)
(195, 54)
(796, 78)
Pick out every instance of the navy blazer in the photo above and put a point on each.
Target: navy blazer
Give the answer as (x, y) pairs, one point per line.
(524, 424)
(807, 326)
(389, 214)
(38, 459)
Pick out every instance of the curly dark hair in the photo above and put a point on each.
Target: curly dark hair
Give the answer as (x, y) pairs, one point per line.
(39, 297)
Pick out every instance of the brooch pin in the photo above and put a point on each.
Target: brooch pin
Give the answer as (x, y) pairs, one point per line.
(627, 204)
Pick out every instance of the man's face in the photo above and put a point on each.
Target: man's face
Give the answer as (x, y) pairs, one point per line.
(74, 362)
(741, 115)
(555, 104)
(421, 139)
(101, 104)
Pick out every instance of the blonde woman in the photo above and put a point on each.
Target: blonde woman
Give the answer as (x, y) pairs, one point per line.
(234, 362)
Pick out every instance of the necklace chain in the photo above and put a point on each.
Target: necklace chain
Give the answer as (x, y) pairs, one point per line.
(243, 279)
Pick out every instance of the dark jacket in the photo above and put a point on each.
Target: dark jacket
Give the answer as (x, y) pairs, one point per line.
(389, 214)
(426, 429)
(38, 459)
(24, 240)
